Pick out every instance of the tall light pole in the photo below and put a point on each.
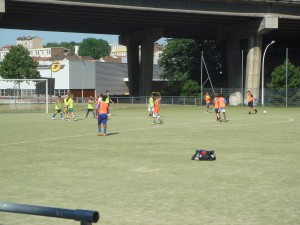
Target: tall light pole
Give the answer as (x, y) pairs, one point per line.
(263, 75)
(51, 67)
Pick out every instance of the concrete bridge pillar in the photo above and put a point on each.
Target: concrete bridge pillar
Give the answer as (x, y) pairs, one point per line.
(253, 67)
(233, 63)
(140, 69)
(133, 65)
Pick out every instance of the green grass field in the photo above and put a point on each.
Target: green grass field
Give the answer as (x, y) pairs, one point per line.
(142, 174)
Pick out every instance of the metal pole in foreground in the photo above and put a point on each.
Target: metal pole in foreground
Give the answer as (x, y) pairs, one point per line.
(201, 78)
(286, 75)
(242, 77)
(85, 217)
(263, 75)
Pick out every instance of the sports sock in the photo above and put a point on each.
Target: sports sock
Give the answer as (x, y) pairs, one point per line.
(104, 131)
(99, 130)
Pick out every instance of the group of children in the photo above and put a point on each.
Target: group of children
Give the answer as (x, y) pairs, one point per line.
(219, 106)
(69, 107)
(220, 103)
(101, 104)
(154, 108)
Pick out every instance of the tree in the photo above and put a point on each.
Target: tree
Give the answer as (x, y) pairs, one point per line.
(93, 47)
(181, 60)
(278, 76)
(18, 64)
(278, 84)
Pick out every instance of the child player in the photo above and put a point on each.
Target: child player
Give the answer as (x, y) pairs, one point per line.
(156, 110)
(66, 110)
(71, 107)
(216, 106)
(150, 105)
(58, 108)
(90, 107)
(207, 101)
(102, 117)
(250, 102)
(222, 105)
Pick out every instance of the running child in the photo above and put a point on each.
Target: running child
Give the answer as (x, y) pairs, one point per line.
(250, 102)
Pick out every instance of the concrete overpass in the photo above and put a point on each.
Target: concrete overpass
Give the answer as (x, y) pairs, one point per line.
(143, 22)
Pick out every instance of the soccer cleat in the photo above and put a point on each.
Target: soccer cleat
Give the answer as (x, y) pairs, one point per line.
(53, 118)
(249, 112)
(103, 134)
(255, 111)
(62, 118)
(160, 121)
(99, 134)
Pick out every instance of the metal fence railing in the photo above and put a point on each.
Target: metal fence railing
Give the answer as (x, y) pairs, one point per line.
(86, 217)
(235, 97)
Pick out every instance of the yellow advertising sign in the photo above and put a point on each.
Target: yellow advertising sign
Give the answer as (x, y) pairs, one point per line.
(55, 67)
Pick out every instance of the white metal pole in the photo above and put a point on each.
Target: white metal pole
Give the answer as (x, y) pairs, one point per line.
(263, 75)
(47, 99)
(286, 75)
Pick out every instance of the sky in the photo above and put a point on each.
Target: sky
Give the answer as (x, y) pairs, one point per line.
(9, 36)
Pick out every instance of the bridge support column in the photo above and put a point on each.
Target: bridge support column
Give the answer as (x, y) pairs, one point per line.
(147, 50)
(234, 63)
(253, 65)
(133, 66)
(140, 75)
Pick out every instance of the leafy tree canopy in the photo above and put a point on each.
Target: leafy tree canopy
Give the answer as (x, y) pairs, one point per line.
(278, 76)
(18, 64)
(181, 60)
(95, 48)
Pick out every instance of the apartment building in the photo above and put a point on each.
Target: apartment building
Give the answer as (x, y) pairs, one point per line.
(30, 42)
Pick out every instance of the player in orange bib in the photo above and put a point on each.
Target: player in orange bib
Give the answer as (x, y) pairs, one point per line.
(250, 102)
(216, 106)
(102, 117)
(156, 110)
(222, 105)
(207, 102)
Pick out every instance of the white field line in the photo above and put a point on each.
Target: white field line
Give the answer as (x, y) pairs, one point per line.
(82, 135)
(162, 126)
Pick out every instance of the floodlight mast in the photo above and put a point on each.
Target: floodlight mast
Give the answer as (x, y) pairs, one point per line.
(263, 75)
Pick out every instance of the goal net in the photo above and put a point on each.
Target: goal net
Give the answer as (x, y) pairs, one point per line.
(24, 95)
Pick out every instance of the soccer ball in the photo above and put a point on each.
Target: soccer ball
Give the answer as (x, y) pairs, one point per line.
(265, 111)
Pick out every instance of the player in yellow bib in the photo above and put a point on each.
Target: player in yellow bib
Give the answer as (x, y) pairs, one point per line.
(90, 107)
(150, 105)
(58, 108)
(71, 107)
